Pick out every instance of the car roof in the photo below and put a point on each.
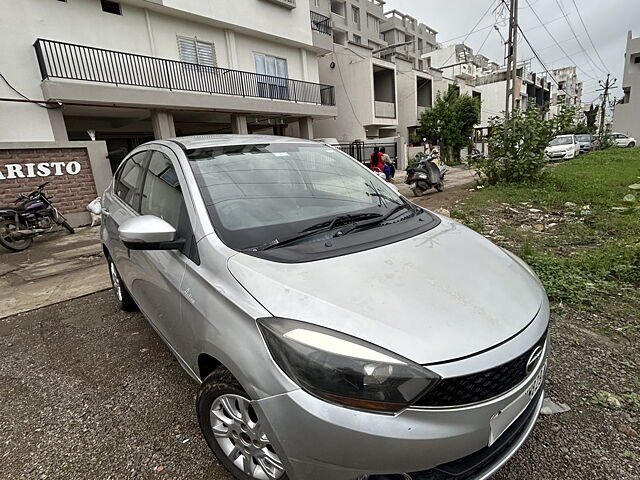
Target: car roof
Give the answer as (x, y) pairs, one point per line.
(206, 141)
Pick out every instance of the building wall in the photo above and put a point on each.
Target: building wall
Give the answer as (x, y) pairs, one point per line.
(143, 31)
(626, 118)
(71, 192)
(353, 78)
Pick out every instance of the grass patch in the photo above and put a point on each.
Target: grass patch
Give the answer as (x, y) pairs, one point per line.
(592, 251)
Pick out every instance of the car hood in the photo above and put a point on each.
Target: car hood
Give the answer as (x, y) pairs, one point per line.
(441, 295)
(559, 148)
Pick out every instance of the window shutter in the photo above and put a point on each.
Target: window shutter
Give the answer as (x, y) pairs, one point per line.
(187, 50)
(193, 51)
(206, 54)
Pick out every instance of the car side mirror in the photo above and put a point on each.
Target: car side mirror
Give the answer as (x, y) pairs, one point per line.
(148, 232)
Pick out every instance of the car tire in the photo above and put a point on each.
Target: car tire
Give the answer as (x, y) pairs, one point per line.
(631, 144)
(123, 297)
(232, 429)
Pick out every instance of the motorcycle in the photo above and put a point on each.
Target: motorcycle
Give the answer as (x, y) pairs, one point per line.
(428, 174)
(34, 216)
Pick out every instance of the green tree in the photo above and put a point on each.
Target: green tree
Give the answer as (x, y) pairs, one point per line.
(592, 117)
(450, 122)
(564, 122)
(516, 147)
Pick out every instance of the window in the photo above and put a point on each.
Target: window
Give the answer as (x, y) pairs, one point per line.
(272, 81)
(373, 23)
(192, 50)
(357, 39)
(127, 180)
(110, 7)
(381, 36)
(161, 194)
(636, 59)
(356, 14)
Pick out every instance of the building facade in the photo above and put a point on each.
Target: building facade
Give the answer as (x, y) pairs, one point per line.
(382, 84)
(569, 88)
(122, 73)
(626, 117)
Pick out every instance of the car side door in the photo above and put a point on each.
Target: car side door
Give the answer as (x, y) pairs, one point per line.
(157, 289)
(120, 203)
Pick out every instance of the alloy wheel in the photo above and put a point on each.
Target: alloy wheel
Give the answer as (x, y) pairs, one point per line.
(239, 434)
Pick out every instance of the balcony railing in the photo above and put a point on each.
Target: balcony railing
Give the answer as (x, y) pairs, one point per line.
(385, 109)
(320, 23)
(79, 62)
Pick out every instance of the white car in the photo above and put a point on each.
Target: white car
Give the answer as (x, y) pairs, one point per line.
(563, 147)
(622, 140)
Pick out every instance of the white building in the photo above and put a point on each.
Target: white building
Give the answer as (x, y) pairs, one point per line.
(569, 88)
(626, 118)
(128, 71)
(382, 85)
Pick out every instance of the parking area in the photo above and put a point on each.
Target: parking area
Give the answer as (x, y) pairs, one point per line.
(91, 392)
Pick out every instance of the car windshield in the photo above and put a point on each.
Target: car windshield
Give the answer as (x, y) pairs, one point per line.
(256, 194)
(560, 141)
(583, 138)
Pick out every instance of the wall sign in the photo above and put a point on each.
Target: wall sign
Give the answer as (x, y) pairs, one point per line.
(12, 171)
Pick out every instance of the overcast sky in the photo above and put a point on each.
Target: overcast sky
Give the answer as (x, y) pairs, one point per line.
(607, 22)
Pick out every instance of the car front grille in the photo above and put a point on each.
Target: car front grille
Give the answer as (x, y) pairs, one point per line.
(481, 386)
(474, 465)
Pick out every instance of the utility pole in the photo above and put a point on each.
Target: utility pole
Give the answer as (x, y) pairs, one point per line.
(605, 87)
(512, 58)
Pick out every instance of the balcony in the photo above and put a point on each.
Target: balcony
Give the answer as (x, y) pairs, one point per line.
(290, 4)
(59, 60)
(385, 109)
(320, 23)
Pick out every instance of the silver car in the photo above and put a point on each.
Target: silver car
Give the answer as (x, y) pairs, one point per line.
(337, 330)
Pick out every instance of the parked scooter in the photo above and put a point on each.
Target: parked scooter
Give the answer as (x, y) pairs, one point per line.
(34, 216)
(428, 174)
(476, 155)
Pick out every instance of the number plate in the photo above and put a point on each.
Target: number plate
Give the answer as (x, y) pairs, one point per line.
(502, 420)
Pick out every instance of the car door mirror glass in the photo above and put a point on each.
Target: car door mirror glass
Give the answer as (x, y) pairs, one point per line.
(148, 232)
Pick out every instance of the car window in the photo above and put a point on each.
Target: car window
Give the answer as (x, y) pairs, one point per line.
(561, 141)
(127, 181)
(161, 193)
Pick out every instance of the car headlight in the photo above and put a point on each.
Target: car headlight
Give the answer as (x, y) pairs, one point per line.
(342, 369)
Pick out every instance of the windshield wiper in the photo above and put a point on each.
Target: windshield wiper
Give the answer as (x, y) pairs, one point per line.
(326, 226)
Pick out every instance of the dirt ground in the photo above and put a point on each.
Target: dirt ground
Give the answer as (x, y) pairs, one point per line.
(90, 392)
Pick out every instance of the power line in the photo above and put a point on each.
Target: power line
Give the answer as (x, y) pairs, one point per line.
(556, 41)
(472, 30)
(533, 50)
(588, 34)
(575, 35)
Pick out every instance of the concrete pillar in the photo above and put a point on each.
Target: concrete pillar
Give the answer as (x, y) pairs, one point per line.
(163, 126)
(239, 124)
(58, 127)
(306, 127)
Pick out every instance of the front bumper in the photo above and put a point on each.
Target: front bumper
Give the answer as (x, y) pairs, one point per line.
(322, 441)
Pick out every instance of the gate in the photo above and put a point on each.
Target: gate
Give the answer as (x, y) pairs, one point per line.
(362, 151)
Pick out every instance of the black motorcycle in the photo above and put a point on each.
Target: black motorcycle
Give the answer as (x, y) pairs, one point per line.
(34, 216)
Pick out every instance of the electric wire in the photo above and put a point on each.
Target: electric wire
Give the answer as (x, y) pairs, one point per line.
(588, 34)
(35, 102)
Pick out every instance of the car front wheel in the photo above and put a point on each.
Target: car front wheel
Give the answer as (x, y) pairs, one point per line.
(631, 144)
(234, 431)
(123, 297)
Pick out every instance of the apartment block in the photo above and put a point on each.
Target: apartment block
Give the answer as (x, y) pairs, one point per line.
(116, 74)
(569, 88)
(382, 84)
(626, 118)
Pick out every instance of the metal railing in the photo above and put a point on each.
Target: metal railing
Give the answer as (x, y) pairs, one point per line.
(320, 23)
(91, 64)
